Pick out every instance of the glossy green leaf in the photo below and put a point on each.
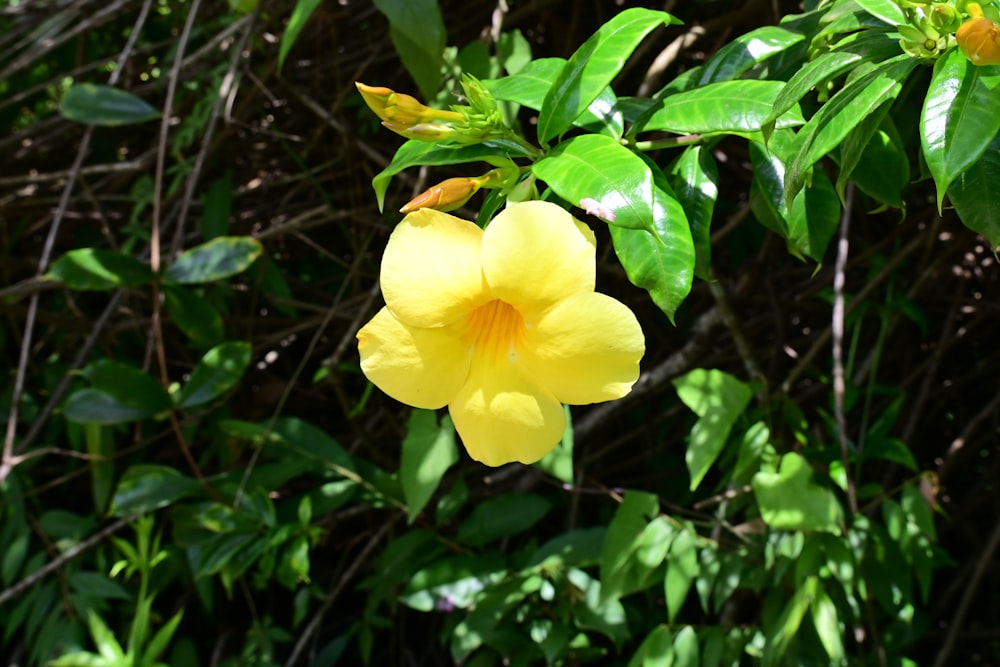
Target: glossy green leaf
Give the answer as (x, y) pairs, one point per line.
(93, 104)
(219, 258)
(530, 86)
(593, 66)
(418, 33)
(502, 516)
(686, 652)
(789, 500)
(418, 153)
(959, 118)
(827, 623)
(813, 219)
(144, 488)
(885, 10)
(300, 16)
(745, 51)
(718, 399)
(98, 269)
(662, 261)
(656, 650)
(216, 373)
(695, 180)
(873, 157)
(841, 114)
(193, 315)
(975, 196)
(428, 451)
(93, 406)
(786, 628)
(682, 569)
(725, 107)
(603, 177)
(621, 573)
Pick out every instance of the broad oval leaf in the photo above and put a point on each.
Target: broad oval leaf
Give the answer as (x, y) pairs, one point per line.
(695, 180)
(120, 393)
(502, 516)
(593, 66)
(147, 487)
(418, 33)
(217, 372)
(959, 118)
(93, 104)
(842, 113)
(428, 451)
(98, 269)
(745, 51)
(727, 106)
(885, 10)
(414, 153)
(598, 174)
(193, 315)
(219, 258)
(975, 197)
(789, 500)
(93, 406)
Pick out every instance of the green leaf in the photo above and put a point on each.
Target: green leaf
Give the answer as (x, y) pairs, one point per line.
(216, 373)
(193, 315)
(695, 180)
(975, 196)
(428, 451)
(885, 10)
(219, 258)
(120, 393)
(686, 652)
(98, 269)
(959, 118)
(682, 570)
(728, 106)
(841, 114)
(745, 51)
(414, 153)
(789, 500)
(598, 174)
(627, 559)
(785, 629)
(417, 31)
(881, 169)
(661, 261)
(144, 488)
(718, 399)
(824, 617)
(593, 66)
(300, 16)
(93, 104)
(502, 516)
(656, 649)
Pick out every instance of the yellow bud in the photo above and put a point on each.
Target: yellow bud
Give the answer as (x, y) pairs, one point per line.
(445, 196)
(979, 40)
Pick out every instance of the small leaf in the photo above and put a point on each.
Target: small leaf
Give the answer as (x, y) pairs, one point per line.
(193, 315)
(718, 399)
(219, 258)
(726, 107)
(975, 196)
(93, 104)
(98, 269)
(746, 51)
(593, 66)
(217, 372)
(300, 16)
(789, 500)
(682, 570)
(428, 451)
(824, 617)
(418, 33)
(959, 118)
(144, 488)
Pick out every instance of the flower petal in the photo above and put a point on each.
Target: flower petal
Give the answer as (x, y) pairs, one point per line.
(503, 416)
(585, 349)
(535, 254)
(431, 270)
(424, 368)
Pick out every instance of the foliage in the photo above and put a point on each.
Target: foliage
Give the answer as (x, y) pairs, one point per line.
(184, 285)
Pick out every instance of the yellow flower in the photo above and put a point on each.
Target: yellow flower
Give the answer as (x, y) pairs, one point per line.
(979, 39)
(501, 325)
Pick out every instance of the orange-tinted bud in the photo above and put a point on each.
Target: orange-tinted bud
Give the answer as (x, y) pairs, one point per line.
(979, 40)
(445, 196)
(400, 109)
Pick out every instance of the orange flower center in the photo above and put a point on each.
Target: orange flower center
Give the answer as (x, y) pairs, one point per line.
(495, 329)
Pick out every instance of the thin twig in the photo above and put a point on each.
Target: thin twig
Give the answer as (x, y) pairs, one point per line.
(837, 330)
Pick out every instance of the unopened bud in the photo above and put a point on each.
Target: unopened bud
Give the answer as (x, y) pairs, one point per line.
(979, 40)
(401, 109)
(445, 196)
